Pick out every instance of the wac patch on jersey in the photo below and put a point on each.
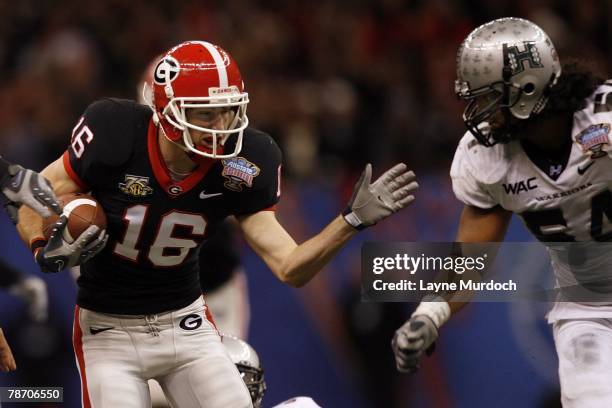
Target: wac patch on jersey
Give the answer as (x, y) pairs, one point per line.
(520, 186)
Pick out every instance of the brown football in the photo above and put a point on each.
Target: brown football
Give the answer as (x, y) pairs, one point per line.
(82, 211)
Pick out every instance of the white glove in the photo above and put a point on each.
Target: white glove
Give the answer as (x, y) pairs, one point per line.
(30, 188)
(415, 337)
(33, 291)
(373, 202)
(58, 254)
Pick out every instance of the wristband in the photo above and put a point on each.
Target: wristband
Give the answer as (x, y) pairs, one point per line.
(351, 218)
(434, 307)
(38, 242)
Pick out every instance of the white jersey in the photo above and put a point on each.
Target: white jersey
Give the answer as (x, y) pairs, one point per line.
(298, 402)
(557, 204)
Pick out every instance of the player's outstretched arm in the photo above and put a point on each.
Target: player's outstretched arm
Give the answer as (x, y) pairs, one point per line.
(24, 186)
(418, 335)
(56, 254)
(297, 264)
(7, 361)
(373, 202)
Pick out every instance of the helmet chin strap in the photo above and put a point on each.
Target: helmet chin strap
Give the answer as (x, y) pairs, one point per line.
(160, 125)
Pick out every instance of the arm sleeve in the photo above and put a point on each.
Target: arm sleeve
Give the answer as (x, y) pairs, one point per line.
(466, 186)
(266, 191)
(99, 140)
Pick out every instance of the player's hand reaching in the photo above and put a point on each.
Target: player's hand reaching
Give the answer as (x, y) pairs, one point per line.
(415, 337)
(33, 291)
(24, 186)
(7, 361)
(58, 254)
(372, 202)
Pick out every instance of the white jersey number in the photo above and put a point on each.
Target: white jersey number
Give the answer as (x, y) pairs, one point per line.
(166, 250)
(550, 225)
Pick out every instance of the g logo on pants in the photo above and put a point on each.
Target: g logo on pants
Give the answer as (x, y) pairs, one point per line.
(191, 322)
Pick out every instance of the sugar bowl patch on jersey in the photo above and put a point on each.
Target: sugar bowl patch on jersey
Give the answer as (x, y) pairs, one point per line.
(595, 140)
(238, 172)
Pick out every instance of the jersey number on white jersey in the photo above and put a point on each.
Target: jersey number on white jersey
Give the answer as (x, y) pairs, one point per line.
(551, 226)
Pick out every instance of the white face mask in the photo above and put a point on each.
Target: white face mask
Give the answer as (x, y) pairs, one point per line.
(176, 115)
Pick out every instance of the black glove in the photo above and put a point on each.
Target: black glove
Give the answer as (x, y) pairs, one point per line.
(24, 186)
(58, 254)
(415, 337)
(373, 202)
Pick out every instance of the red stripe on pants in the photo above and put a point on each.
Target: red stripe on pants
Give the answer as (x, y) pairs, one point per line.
(77, 343)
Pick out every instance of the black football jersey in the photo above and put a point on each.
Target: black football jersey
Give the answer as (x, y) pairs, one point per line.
(156, 225)
(219, 258)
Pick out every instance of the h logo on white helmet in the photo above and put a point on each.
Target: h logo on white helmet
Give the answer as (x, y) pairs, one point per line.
(166, 70)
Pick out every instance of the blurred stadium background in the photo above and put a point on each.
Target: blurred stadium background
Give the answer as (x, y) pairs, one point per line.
(337, 84)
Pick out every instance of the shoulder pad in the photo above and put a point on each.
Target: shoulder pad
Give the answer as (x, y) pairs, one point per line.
(488, 165)
(115, 124)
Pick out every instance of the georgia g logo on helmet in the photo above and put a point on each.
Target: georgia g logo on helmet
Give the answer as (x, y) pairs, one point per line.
(166, 71)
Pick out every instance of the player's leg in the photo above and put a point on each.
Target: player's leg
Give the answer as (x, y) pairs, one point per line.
(108, 363)
(205, 375)
(229, 305)
(211, 382)
(585, 362)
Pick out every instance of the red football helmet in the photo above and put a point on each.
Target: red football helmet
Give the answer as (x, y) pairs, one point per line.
(198, 74)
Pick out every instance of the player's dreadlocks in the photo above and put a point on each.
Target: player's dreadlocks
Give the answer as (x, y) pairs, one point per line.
(578, 81)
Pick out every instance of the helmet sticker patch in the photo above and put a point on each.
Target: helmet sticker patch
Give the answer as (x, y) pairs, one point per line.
(517, 58)
(238, 172)
(166, 70)
(226, 91)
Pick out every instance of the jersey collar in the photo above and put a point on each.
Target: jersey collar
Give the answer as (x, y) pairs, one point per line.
(161, 172)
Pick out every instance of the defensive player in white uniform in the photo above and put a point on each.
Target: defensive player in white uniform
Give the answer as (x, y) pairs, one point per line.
(247, 361)
(538, 146)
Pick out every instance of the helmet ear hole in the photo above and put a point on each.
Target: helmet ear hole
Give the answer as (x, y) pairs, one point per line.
(529, 88)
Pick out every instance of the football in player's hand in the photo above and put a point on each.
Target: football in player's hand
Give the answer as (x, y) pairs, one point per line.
(82, 211)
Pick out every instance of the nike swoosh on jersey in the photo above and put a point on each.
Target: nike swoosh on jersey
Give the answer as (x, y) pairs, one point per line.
(96, 330)
(204, 196)
(582, 170)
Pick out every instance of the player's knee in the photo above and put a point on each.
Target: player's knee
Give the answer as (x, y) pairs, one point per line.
(586, 351)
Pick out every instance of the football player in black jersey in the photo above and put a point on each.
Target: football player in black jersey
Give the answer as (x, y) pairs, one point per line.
(222, 277)
(166, 179)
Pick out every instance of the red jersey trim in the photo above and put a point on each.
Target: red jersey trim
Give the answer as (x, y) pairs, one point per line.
(160, 170)
(72, 173)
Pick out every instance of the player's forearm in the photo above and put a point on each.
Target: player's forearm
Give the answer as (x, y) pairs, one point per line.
(30, 225)
(308, 258)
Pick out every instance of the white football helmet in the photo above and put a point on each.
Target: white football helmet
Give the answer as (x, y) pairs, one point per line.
(505, 65)
(247, 362)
